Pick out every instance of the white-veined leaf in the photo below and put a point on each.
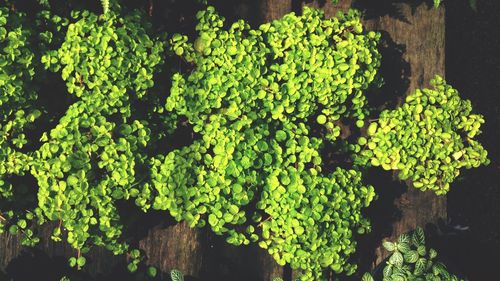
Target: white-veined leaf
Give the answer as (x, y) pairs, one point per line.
(420, 266)
(411, 256)
(418, 237)
(367, 277)
(396, 259)
(176, 275)
(389, 246)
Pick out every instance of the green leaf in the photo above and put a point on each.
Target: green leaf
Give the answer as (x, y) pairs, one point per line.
(420, 266)
(404, 238)
(135, 254)
(411, 256)
(81, 261)
(387, 271)
(367, 277)
(389, 246)
(396, 259)
(321, 119)
(152, 272)
(176, 275)
(72, 262)
(132, 267)
(13, 229)
(418, 237)
(22, 224)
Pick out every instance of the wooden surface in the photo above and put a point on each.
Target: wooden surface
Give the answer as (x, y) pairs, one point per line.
(420, 31)
(274, 9)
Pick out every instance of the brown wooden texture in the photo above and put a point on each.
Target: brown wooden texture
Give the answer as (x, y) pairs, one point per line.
(177, 246)
(274, 9)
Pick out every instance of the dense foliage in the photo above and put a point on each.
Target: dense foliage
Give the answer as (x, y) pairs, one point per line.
(18, 113)
(411, 259)
(427, 139)
(253, 98)
(88, 161)
(263, 105)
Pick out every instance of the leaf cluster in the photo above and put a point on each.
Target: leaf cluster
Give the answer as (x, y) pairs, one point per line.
(411, 259)
(18, 113)
(428, 139)
(89, 160)
(255, 173)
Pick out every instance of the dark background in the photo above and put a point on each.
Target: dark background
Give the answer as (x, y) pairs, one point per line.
(473, 67)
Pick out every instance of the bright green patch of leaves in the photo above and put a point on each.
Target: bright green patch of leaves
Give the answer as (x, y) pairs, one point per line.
(253, 97)
(88, 161)
(17, 94)
(18, 112)
(428, 139)
(254, 172)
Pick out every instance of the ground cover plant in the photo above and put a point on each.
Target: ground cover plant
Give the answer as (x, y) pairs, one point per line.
(411, 259)
(263, 104)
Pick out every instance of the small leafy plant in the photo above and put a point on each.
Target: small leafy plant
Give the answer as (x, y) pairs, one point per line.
(412, 260)
(105, 6)
(428, 139)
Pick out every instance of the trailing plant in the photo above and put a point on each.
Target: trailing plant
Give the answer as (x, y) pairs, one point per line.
(253, 97)
(411, 259)
(428, 139)
(18, 112)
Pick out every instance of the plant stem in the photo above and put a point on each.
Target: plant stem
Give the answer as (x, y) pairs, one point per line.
(78, 257)
(150, 9)
(262, 222)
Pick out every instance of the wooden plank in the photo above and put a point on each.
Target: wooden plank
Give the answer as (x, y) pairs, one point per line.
(175, 247)
(274, 9)
(172, 247)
